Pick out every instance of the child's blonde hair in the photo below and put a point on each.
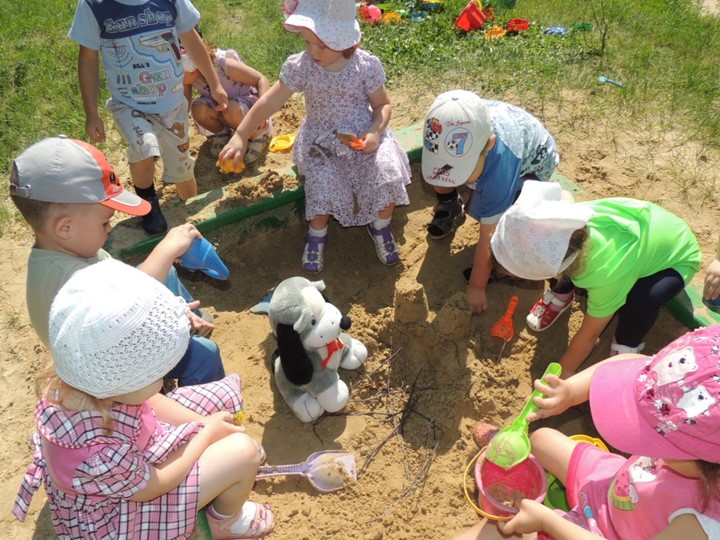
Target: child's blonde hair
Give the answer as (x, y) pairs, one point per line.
(50, 386)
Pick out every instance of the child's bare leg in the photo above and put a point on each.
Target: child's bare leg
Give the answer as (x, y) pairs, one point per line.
(227, 473)
(208, 118)
(387, 212)
(186, 189)
(233, 115)
(319, 222)
(554, 450)
(143, 172)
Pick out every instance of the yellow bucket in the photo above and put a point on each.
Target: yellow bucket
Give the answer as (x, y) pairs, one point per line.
(590, 440)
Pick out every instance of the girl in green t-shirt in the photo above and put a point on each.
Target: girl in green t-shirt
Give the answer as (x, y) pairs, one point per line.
(631, 256)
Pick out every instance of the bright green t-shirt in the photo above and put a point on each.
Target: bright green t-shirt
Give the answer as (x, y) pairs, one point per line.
(628, 240)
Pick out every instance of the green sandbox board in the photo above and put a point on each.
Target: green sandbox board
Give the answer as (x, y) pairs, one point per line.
(276, 212)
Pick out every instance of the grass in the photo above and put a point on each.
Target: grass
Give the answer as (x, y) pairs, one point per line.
(663, 50)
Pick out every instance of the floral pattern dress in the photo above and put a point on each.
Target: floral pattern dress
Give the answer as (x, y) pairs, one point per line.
(348, 184)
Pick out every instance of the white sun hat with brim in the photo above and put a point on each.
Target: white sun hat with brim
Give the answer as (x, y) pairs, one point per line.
(533, 235)
(332, 21)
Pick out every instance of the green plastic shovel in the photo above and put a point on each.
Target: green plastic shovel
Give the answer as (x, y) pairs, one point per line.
(511, 446)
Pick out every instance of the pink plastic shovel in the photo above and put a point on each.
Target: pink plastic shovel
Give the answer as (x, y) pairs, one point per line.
(327, 470)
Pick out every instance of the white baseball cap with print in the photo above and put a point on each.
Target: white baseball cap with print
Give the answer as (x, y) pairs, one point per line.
(456, 130)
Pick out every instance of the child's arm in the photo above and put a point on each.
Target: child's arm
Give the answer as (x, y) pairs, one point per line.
(170, 411)
(561, 394)
(712, 277)
(685, 526)
(173, 471)
(244, 74)
(176, 242)
(482, 267)
(582, 343)
(382, 110)
(534, 517)
(193, 44)
(88, 77)
(264, 108)
(188, 92)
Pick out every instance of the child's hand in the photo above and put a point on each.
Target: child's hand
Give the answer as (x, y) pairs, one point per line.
(95, 128)
(558, 397)
(350, 139)
(198, 325)
(371, 141)
(178, 239)
(220, 425)
(477, 298)
(219, 94)
(712, 281)
(233, 151)
(529, 519)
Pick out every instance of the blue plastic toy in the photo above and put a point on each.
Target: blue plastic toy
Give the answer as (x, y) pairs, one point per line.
(201, 255)
(556, 31)
(602, 79)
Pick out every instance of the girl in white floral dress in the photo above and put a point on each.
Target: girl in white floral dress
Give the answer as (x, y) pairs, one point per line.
(358, 181)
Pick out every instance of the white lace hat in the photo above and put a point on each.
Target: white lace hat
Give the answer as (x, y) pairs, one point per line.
(533, 235)
(456, 130)
(115, 330)
(332, 21)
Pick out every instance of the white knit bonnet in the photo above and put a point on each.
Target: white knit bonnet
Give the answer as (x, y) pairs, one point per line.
(115, 330)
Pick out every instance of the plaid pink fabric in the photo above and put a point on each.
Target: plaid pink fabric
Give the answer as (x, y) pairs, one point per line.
(98, 504)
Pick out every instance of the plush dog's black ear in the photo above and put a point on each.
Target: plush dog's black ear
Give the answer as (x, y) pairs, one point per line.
(293, 357)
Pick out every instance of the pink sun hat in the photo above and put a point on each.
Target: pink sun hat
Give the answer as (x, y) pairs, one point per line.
(666, 406)
(332, 21)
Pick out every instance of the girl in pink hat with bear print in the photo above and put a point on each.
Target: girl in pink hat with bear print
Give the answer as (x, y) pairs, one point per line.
(355, 169)
(665, 412)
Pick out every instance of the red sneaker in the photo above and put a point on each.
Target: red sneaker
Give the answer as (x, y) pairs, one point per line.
(542, 316)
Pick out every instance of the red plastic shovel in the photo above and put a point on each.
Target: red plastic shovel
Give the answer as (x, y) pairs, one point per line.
(504, 329)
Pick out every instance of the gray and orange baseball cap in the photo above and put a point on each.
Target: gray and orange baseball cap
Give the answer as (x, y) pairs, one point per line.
(68, 171)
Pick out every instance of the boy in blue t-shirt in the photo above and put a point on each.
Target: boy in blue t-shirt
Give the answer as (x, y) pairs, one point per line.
(492, 147)
(139, 41)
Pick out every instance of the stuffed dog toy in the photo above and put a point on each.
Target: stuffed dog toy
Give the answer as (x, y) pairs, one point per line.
(311, 347)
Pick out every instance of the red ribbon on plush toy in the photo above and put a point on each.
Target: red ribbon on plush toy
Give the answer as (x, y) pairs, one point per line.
(332, 348)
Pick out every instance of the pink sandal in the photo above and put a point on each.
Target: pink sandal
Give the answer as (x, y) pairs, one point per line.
(261, 525)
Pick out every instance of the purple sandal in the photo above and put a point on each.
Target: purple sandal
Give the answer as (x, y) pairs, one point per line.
(385, 245)
(312, 259)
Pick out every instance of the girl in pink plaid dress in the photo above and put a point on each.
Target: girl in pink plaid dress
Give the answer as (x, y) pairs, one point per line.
(355, 169)
(118, 459)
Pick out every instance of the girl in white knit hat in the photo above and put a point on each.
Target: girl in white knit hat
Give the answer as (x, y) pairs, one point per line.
(631, 256)
(118, 459)
(354, 168)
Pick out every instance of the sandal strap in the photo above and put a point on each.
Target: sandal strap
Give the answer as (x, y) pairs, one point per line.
(261, 525)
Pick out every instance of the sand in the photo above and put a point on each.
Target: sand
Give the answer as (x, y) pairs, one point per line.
(433, 369)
